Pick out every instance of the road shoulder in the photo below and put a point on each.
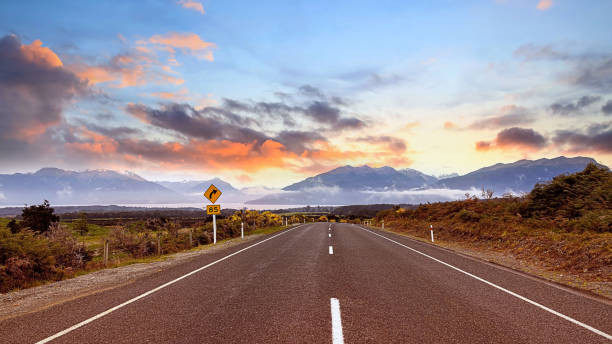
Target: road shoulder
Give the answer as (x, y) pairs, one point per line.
(34, 299)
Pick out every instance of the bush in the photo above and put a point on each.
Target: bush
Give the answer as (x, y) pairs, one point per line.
(68, 252)
(24, 258)
(571, 196)
(38, 217)
(467, 216)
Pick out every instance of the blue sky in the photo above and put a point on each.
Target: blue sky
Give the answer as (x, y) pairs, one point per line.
(440, 86)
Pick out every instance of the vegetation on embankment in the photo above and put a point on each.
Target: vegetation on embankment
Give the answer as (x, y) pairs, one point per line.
(38, 248)
(563, 225)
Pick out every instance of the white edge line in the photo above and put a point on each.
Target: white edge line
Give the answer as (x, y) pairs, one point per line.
(331, 250)
(570, 319)
(337, 336)
(108, 311)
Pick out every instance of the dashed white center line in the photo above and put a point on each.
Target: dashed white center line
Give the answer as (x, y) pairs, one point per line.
(337, 337)
(331, 250)
(330, 235)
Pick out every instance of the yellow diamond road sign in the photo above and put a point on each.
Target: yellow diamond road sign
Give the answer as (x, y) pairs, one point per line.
(214, 209)
(212, 193)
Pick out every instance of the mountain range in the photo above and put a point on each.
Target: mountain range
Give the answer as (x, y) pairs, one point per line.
(343, 185)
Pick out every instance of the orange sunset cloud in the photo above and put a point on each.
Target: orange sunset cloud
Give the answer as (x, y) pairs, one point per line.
(188, 42)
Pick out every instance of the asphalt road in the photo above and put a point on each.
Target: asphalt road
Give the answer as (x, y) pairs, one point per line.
(291, 287)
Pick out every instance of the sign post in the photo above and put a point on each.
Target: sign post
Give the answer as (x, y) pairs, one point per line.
(213, 194)
(431, 230)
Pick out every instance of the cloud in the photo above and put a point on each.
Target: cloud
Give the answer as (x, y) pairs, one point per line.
(607, 108)
(449, 125)
(34, 89)
(311, 91)
(178, 96)
(596, 138)
(189, 43)
(205, 124)
(533, 52)
(510, 115)
(369, 79)
(114, 132)
(594, 73)
(299, 142)
(514, 138)
(590, 70)
(126, 70)
(543, 5)
(40, 55)
(192, 5)
(566, 109)
(324, 112)
(393, 144)
(90, 143)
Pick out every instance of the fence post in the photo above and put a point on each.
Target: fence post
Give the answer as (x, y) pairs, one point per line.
(242, 230)
(190, 238)
(105, 252)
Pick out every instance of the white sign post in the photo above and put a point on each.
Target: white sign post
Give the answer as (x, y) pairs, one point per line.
(214, 229)
(242, 230)
(431, 230)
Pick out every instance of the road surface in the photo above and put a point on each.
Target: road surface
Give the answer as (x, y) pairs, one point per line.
(325, 283)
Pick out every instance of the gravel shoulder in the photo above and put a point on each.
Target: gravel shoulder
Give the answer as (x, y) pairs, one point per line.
(30, 300)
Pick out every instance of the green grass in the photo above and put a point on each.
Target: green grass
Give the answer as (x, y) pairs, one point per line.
(94, 237)
(3, 222)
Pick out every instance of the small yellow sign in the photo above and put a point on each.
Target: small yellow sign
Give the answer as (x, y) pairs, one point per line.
(212, 193)
(214, 209)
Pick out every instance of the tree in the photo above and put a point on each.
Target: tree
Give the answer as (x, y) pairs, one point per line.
(39, 217)
(81, 224)
(488, 193)
(13, 226)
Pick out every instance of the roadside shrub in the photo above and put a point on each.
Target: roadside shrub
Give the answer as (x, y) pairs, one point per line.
(571, 196)
(467, 216)
(597, 221)
(24, 258)
(68, 252)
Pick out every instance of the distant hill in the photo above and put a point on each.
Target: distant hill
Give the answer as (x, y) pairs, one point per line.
(87, 187)
(63, 187)
(192, 191)
(198, 186)
(368, 185)
(520, 176)
(341, 186)
(349, 178)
